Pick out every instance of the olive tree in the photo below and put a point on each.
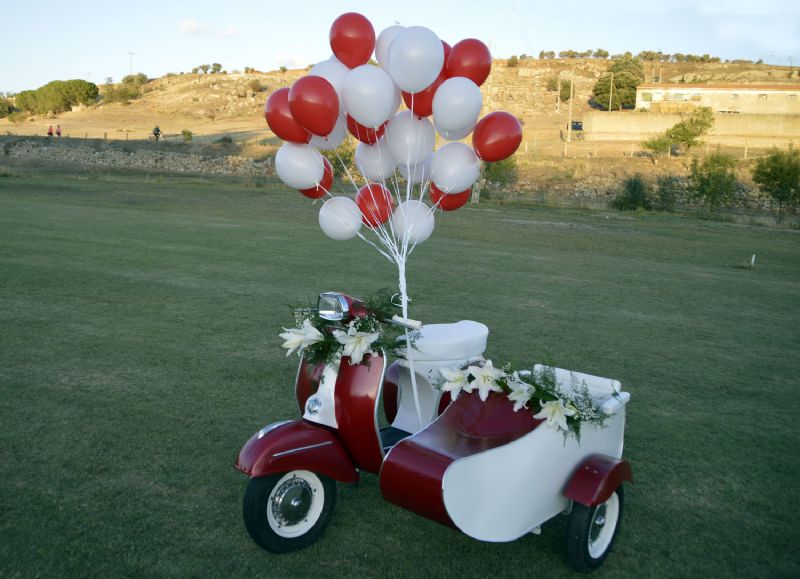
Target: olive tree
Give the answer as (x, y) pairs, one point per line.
(778, 175)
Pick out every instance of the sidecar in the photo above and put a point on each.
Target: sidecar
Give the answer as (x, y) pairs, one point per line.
(496, 474)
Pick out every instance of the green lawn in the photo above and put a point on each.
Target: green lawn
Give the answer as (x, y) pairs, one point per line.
(139, 351)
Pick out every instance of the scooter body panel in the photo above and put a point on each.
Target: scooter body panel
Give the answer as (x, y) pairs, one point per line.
(296, 445)
(307, 382)
(596, 478)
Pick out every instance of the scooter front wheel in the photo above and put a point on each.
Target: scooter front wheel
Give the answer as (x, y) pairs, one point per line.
(591, 531)
(288, 511)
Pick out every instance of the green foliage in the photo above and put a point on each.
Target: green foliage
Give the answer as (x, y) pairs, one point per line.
(187, 135)
(546, 54)
(713, 180)
(778, 174)
(634, 193)
(216, 68)
(255, 85)
(552, 84)
(623, 94)
(512, 62)
(283, 69)
(658, 145)
(57, 96)
(137, 79)
(204, 68)
(565, 92)
(629, 65)
(6, 108)
(669, 190)
(687, 131)
(600, 53)
(501, 172)
(342, 160)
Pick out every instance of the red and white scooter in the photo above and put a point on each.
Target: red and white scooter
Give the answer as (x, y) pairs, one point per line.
(476, 466)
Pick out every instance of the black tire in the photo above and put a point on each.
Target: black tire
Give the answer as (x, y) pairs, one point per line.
(589, 540)
(288, 511)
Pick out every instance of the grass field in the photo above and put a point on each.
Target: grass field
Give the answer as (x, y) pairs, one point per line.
(139, 351)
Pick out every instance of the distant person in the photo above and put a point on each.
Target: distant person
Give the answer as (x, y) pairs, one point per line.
(50, 132)
(157, 133)
(58, 131)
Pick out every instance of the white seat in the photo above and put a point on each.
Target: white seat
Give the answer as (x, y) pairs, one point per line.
(459, 341)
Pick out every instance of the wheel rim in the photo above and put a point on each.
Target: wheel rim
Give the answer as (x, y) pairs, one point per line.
(295, 503)
(603, 525)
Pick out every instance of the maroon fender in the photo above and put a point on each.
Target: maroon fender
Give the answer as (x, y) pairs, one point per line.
(596, 478)
(296, 445)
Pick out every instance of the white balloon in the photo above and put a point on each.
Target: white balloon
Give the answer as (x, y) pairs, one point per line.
(418, 173)
(340, 218)
(448, 135)
(412, 221)
(334, 72)
(398, 99)
(369, 95)
(385, 39)
(375, 162)
(334, 138)
(416, 57)
(455, 167)
(456, 105)
(299, 166)
(411, 138)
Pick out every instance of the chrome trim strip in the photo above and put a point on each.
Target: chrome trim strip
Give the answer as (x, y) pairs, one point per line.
(302, 448)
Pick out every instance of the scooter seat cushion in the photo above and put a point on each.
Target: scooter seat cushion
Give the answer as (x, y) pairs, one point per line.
(458, 341)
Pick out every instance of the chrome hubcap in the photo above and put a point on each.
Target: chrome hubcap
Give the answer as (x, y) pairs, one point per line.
(291, 501)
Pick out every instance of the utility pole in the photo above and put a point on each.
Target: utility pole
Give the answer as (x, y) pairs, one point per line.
(131, 68)
(611, 91)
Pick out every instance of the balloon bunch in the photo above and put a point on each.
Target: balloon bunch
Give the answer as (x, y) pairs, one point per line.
(396, 150)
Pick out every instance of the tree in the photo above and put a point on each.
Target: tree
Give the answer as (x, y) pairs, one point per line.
(512, 62)
(6, 108)
(195, 70)
(634, 194)
(57, 96)
(215, 68)
(628, 64)
(601, 53)
(713, 180)
(565, 92)
(204, 68)
(687, 131)
(623, 95)
(778, 174)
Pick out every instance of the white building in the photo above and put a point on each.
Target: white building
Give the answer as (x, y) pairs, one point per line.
(763, 99)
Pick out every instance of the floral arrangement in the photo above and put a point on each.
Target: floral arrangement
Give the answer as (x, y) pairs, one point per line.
(564, 411)
(324, 341)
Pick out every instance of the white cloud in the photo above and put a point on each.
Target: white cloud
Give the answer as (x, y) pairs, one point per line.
(192, 26)
(230, 31)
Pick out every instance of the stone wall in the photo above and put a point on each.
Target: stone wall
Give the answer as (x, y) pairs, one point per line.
(735, 130)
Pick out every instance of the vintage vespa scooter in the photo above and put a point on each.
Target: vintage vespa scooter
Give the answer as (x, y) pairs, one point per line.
(441, 459)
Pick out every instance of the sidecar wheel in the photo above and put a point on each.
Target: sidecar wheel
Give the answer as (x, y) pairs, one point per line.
(288, 511)
(591, 531)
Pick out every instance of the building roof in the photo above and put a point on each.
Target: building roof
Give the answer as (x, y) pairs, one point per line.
(794, 87)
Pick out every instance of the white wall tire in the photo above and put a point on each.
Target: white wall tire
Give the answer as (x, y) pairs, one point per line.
(288, 511)
(591, 531)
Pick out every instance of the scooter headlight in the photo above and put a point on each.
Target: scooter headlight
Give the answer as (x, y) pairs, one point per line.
(313, 405)
(332, 306)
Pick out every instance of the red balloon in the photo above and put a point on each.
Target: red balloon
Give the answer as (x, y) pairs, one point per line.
(280, 119)
(447, 50)
(365, 134)
(470, 58)
(497, 136)
(422, 102)
(375, 202)
(324, 186)
(448, 201)
(352, 39)
(314, 104)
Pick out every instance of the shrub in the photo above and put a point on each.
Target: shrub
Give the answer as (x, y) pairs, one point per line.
(552, 84)
(57, 96)
(669, 190)
(512, 62)
(255, 85)
(778, 175)
(634, 193)
(343, 156)
(658, 145)
(187, 135)
(713, 180)
(502, 172)
(6, 108)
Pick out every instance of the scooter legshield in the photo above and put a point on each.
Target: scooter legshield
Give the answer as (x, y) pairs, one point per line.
(296, 445)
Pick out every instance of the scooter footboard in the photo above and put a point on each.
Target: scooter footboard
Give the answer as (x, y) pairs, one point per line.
(296, 445)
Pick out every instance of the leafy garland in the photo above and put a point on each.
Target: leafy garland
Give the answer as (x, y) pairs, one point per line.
(323, 341)
(563, 410)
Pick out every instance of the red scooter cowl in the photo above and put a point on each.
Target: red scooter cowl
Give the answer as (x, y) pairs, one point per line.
(296, 445)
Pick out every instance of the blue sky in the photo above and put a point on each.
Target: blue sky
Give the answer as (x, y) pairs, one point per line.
(92, 40)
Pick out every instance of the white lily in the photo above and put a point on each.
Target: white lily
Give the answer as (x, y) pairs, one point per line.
(521, 391)
(486, 379)
(356, 344)
(298, 339)
(555, 413)
(455, 382)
